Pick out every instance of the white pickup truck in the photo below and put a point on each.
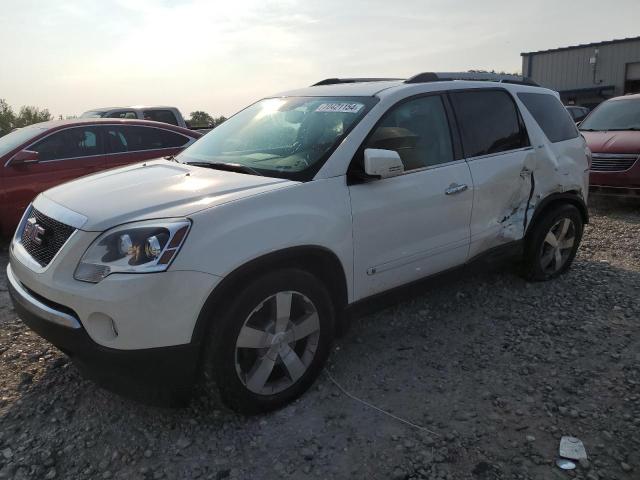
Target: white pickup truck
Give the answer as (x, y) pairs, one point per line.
(162, 114)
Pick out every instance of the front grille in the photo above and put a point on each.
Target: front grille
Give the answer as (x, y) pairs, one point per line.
(612, 162)
(53, 237)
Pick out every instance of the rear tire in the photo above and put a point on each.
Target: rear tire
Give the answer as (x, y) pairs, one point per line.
(271, 342)
(552, 244)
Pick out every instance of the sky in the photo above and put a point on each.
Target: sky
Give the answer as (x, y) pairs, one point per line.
(73, 55)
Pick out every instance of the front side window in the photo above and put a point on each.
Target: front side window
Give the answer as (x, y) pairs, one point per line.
(551, 115)
(289, 137)
(68, 144)
(614, 115)
(418, 130)
(164, 116)
(489, 122)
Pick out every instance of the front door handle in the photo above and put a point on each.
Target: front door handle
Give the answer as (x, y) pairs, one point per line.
(455, 188)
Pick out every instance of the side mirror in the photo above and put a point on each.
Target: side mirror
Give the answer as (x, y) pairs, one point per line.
(25, 156)
(382, 163)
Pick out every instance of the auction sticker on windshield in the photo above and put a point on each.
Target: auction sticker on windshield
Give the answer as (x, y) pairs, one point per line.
(340, 107)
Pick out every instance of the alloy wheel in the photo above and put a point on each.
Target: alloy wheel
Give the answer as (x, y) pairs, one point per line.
(277, 343)
(557, 245)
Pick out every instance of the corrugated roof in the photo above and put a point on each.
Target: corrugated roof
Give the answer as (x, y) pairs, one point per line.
(573, 47)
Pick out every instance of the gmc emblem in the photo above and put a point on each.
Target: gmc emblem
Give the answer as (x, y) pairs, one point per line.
(33, 232)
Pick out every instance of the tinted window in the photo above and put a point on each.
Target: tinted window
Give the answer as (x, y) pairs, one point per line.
(418, 130)
(131, 139)
(115, 140)
(489, 122)
(164, 116)
(122, 114)
(551, 115)
(70, 143)
(172, 139)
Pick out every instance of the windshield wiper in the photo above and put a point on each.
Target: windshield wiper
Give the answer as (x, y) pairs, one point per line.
(171, 158)
(228, 167)
(632, 129)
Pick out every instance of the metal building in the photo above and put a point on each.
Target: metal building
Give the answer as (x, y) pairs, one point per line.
(587, 74)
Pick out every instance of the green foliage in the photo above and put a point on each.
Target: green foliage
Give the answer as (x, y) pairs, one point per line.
(7, 118)
(218, 120)
(203, 119)
(27, 116)
(200, 119)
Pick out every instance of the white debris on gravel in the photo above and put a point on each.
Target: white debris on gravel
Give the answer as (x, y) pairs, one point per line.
(502, 368)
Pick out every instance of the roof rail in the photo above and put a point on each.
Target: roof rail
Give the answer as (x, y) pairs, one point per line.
(334, 81)
(477, 76)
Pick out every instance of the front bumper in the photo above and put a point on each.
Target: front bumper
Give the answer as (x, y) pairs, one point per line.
(161, 376)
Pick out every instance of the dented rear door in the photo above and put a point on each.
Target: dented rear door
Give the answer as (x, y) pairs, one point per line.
(498, 151)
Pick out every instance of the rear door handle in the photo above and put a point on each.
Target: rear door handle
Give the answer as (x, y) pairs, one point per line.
(455, 188)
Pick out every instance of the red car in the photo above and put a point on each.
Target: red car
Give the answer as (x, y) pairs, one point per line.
(40, 156)
(612, 131)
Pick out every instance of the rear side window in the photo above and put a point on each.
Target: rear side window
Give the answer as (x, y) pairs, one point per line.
(489, 122)
(133, 139)
(164, 116)
(553, 118)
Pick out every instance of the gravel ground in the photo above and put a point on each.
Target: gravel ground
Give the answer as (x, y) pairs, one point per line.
(497, 368)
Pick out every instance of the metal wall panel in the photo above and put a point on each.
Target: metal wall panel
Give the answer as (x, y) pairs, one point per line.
(570, 69)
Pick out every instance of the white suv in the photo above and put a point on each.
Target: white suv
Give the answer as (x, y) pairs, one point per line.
(237, 260)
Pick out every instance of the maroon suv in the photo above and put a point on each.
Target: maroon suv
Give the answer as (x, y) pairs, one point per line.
(612, 131)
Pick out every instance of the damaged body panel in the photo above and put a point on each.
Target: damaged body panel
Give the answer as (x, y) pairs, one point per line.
(510, 187)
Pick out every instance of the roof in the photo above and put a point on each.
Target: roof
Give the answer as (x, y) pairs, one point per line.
(583, 45)
(359, 89)
(371, 87)
(56, 124)
(132, 107)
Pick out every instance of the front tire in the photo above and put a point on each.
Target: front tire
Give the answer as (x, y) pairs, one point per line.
(271, 342)
(553, 243)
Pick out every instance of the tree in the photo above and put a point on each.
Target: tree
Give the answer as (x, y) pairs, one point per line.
(200, 119)
(29, 115)
(7, 117)
(218, 120)
(203, 119)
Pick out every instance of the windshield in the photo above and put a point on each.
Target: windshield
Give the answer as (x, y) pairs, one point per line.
(17, 138)
(614, 115)
(288, 137)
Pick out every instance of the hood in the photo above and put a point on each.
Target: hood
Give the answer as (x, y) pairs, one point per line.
(613, 142)
(155, 189)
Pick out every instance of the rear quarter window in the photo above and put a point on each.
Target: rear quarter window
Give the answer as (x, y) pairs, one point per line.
(173, 140)
(551, 115)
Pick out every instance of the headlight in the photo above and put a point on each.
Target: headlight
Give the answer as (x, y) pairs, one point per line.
(140, 247)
